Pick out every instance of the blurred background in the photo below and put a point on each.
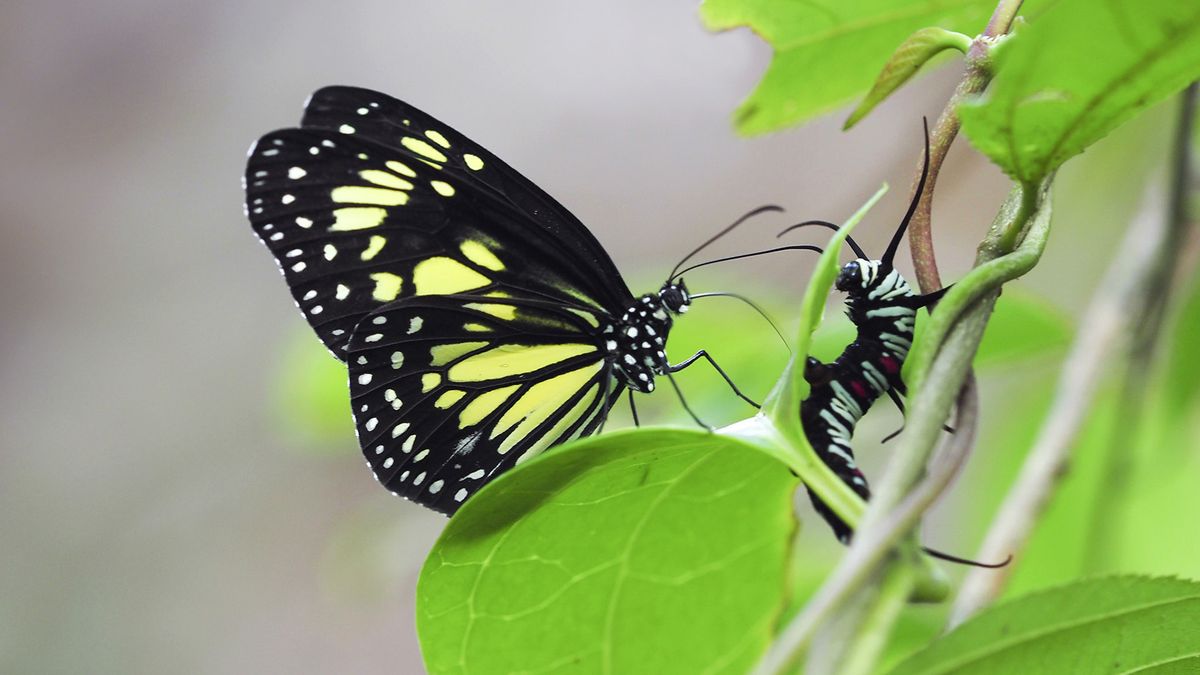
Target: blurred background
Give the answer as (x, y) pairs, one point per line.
(180, 489)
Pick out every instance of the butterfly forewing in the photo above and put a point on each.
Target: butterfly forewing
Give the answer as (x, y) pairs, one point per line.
(360, 216)
(401, 127)
(450, 390)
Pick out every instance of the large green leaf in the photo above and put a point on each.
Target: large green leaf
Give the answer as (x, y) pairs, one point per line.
(1076, 73)
(1108, 625)
(653, 551)
(828, 52)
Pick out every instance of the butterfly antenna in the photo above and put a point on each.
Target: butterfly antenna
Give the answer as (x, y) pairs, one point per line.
(797, 247)
(966, 561)
(858, 250)
(890, 253)
(722, 233)
(762, 312)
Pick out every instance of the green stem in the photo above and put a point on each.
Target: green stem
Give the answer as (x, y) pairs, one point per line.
(881, 613)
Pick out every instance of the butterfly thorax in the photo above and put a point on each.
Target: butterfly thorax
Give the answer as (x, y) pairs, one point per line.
(635, 342)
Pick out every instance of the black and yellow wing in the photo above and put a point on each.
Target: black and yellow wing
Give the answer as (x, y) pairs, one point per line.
(449, 391)
(371, 201)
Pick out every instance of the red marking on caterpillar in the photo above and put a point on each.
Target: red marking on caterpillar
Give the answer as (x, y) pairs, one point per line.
(889, 363)
(859, 388)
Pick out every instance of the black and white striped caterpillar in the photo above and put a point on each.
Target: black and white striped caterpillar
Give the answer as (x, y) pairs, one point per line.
(883, 307)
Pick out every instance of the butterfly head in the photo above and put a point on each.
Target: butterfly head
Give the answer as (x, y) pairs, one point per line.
(675, 297)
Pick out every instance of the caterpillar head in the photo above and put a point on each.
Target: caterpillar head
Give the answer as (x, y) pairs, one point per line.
(857, 275)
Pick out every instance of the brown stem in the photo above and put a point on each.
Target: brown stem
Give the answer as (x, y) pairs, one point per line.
(974, 81)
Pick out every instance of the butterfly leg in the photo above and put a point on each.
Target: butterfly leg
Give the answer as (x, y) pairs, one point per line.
(692, 359)
(633, 410)
(688, 408)
(607, 403)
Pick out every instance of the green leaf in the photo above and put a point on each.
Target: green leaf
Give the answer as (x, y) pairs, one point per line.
(827, 52)
(908, 58)
(1109, 625)
(652, 550)
(1076, 73)
(311, 399)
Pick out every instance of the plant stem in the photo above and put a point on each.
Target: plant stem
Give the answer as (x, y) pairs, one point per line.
(974, 81)
(963, 313)
(874, 539)
(862, 560)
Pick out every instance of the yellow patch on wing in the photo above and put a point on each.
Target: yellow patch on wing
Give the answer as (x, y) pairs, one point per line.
(539, 402)
(400, 168)
(385, 179)
(586, 316)
(442, 188)
(507, 360)
(440, 355)
(578, 294)
(483, 405)
(442, 276)
(429, 381)
(473, 162)
(374, 247)
(360, 218)
(357, 194)
(449, 398)
(437, 138)
(480, 255)
(500, 311)
(560, 427)
(387, 286)
(476, 328)
(423, 149)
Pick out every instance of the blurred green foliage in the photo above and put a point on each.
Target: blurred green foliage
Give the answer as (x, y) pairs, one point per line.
(312, 397)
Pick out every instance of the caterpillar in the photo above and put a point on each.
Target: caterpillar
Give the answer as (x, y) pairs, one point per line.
(883, 308)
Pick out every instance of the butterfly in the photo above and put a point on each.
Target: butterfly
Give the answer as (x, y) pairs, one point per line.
(480, 321)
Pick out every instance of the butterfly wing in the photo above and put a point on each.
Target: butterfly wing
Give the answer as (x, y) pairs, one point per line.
(372, 201)
(449, 391)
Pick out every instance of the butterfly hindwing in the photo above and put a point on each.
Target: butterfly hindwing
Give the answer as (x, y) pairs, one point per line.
(448, 391)
(360, 215)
